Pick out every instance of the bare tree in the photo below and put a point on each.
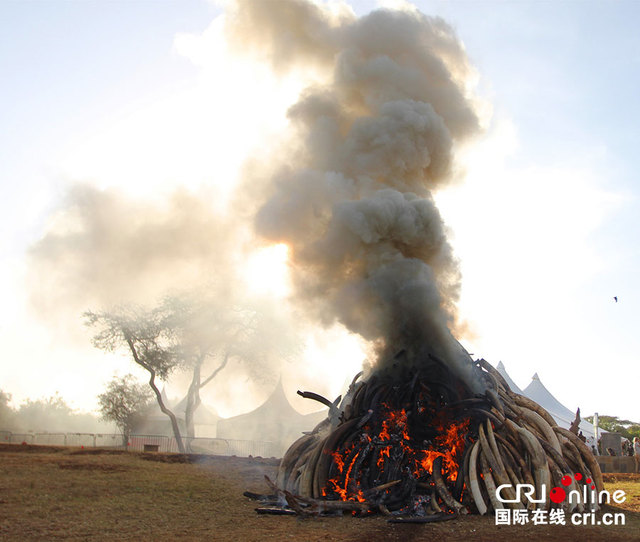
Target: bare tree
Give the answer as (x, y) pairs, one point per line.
(213, 328)
(124, 402)
(148, 340)
(210, 332)
(200, 331)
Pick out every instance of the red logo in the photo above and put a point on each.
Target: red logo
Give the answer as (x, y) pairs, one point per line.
(558, 494)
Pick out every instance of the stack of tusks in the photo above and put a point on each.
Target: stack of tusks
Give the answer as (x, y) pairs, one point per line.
(517, 442)
(526, 447)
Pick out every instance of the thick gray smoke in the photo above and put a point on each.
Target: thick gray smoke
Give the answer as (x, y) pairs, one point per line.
(372, 141)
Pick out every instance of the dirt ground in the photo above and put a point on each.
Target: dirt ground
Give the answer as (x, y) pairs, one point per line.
(50, 493)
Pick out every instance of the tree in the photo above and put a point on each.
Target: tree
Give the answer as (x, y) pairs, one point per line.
(46, 414)
(626, 428)
(200, 331)
(7, 414)
(145, 335)
(124, 402)
(203, 329)
(50, 414)
(210, 330)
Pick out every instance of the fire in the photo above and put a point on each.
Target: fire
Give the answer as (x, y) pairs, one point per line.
(427, 461)
(338, 460)
(396, 421)
(452, 440)
(383, 453)
(342, 490)
(451, 444)
(352, 467)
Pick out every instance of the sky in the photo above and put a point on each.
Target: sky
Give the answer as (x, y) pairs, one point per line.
(142, 97)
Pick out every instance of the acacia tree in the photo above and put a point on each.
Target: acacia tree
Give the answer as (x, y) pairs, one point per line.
(124, 402)
(145, 335)
(199, 332)
(209, 332)
(627, 428)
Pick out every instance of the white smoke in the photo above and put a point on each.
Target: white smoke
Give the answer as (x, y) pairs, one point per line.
(103, 248)
(349, 192)
(372, 138)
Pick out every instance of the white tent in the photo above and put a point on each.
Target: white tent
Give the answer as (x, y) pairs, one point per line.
(537, 392)
(506, 376)
(156, 422)
(274, 421)
(541, 395)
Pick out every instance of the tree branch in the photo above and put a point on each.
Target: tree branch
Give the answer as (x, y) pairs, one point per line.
(214, 373)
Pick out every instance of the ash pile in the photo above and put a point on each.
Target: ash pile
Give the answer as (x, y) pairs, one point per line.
(419, 446)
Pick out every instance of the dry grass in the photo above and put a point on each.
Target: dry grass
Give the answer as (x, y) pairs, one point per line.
(49, 493)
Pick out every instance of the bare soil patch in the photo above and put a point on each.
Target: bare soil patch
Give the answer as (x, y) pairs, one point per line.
(96, 451)
(52, 493)
(30, 448)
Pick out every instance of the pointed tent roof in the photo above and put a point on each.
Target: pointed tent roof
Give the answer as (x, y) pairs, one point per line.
(273, 421)
(277, 405)
(537, 391)
(277, 402)
(541, 395)
(514, 387)
(165, 398)
(204, 415)
(154, 411)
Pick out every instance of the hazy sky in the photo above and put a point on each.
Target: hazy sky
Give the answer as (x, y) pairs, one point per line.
(546, 224)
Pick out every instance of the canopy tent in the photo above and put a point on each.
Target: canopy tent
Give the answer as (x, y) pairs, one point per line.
(274, 421)
(205, 418)
(157, 422)
(506, 376)
(541, 395)
(537, 391)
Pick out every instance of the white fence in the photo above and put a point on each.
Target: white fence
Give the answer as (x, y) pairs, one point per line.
(145, 443)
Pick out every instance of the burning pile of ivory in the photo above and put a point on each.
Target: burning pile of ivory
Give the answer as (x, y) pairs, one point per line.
(417, 445)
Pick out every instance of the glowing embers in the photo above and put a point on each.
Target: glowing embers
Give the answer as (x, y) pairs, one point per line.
(390, 461)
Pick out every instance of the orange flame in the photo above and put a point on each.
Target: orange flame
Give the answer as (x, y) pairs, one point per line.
(448, 444)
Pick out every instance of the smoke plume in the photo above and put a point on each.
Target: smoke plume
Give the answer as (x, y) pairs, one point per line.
(103, 248)
(372, 139)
